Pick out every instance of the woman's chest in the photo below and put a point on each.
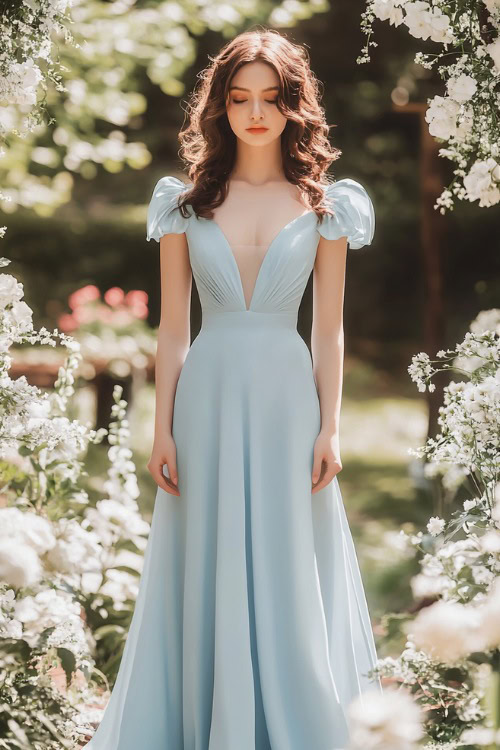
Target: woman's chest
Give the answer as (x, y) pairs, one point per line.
(252, 218)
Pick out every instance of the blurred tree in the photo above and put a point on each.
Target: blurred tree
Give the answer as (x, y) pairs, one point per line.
(117, 51)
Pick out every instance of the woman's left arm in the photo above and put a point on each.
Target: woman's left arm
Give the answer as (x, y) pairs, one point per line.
(327, 347)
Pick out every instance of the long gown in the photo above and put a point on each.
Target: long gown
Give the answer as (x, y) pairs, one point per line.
(251, 628)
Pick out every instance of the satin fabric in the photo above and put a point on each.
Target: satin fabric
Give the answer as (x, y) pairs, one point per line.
(251, 629)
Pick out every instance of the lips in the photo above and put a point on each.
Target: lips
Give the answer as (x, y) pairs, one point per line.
(257, 130)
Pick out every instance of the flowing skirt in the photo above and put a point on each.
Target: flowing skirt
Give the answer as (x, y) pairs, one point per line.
(251, 629)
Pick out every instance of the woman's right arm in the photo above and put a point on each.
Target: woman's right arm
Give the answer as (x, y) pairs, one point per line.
(174, 337)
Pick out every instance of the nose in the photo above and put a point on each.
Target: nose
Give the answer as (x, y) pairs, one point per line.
(256, 110)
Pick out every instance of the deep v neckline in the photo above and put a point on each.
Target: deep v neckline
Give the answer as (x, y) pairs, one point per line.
(269, 248)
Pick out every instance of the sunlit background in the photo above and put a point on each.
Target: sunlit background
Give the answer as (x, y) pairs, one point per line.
(75, 191)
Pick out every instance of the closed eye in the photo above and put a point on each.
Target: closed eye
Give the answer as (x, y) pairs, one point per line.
(242, 101)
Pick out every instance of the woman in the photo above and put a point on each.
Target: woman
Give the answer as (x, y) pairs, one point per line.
(251, 629)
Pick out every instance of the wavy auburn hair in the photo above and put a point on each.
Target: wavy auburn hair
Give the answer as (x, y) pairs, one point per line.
(208, 144)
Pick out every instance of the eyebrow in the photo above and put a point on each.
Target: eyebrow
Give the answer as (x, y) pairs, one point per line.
(240, 88)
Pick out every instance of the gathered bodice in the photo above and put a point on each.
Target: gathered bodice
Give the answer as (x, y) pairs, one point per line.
(287, 261)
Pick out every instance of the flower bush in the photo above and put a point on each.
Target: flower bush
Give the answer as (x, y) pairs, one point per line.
(465, 117)
(70, 556)
(111, 329)
(451, 661)
(27, 29)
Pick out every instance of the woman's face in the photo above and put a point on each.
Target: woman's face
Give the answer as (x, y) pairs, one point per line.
(252, 103)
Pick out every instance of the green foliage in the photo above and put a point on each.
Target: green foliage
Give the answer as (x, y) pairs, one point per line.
(33, 715)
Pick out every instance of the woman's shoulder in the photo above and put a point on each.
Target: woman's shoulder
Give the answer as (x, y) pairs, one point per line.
(164, 215)
(353, 213)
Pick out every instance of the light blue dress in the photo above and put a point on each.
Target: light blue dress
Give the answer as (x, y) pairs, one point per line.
(251, 628)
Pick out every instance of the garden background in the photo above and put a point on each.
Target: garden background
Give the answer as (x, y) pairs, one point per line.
(74, 198)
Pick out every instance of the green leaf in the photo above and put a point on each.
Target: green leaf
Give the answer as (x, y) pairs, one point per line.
(126, 569)
(105, 630)
(68, 662)
(23, 450)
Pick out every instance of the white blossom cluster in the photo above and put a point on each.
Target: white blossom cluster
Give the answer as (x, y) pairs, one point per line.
(460, 628)
(390, 720)
(457, 570)
(469, 441)
(466, 115)
(27, 31)
(416, 671)
(30, 417)
(56, 549)
(448, 631)
(476, 355)
(464, 575)
(469, 422)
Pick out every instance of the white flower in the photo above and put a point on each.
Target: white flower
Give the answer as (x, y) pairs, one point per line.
(462, 88)
(482, 574)
(492, 5)
(20, 316)
(123, 516)
(424, 22)
(390, 720)
(76, 550)
(447, 631)
(423, 585)
(487, 320)
(479, 177)
(442, 117)
(30, 72)
(120, 586)
(21, 82)
(480, 182)
(435, 525)
(389, 10)
(11, 290)
(69, 634)
(468, 504)
(29, 528)
(493, 50)
(7, 599)
(46, 609)
(60, 6)
(19, 564)
(11, 629)
(418, 19)
(5, 342)
(465, 123)
(441, 31)
(490, 541)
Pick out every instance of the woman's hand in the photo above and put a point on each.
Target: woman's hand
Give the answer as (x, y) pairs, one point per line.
(164, 452)
(326, 462)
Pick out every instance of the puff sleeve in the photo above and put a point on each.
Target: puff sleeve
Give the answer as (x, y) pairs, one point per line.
(354, 214)
(163, 212)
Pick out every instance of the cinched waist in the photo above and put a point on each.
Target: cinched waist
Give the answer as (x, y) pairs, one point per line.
(247, 319)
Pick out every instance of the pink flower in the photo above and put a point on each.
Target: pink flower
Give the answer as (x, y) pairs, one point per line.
(84, 315)
(86, 294)
(104, 314)
(138, 301)
(136, 297)
(140, 311)
(67, 322)
(114, 296)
